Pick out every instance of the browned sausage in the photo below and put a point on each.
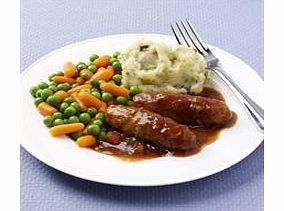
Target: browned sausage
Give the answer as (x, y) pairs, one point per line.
(186, 109)
(151, 127)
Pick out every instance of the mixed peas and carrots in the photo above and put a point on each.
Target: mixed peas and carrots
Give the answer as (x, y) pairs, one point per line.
(73, 103)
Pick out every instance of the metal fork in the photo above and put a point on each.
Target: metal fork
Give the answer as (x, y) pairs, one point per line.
(186, 31)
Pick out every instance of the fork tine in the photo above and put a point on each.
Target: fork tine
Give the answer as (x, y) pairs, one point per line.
(179, 42)
(193, 41)
(202, 44)
(182, 34)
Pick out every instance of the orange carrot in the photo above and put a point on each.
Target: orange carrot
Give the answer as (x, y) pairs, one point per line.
(61, 95)
(115, 89)
(103, 107)
(85, 131)
(86, 71)
(104, 74)
(69, 70)
(63, 79)
(78, 88)
(60, 130)
(80, 80)
(46, 109)
(83, 107)
(89, 100)
(102, 61)
(86, 141)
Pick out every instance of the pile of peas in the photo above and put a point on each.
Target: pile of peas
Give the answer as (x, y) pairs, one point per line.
(69, 110)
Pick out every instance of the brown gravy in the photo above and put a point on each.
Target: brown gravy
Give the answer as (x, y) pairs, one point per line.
(132, 149)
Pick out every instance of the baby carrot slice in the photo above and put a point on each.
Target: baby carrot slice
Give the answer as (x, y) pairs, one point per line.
(78, 88)
(45, 109)
(80, 80)
(103, 108)
(61, 95)
(104, 74)
(115, 89)
(83, 107)
(60, 130)
(69, 70)
(89, 100)
(86, 141)
(63, 79)
(102, 61)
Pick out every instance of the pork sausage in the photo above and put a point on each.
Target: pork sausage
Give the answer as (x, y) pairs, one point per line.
(151, 127)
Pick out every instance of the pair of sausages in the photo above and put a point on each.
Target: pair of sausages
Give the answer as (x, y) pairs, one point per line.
(156, 118)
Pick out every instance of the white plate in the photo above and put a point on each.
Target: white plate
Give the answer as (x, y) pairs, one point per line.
(232, 146)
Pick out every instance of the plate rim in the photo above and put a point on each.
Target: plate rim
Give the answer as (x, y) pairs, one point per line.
(78, 175)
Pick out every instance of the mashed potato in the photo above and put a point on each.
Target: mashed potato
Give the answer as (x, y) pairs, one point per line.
(159, 67)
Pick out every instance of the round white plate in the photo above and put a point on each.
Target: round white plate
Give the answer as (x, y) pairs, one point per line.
(232, 146)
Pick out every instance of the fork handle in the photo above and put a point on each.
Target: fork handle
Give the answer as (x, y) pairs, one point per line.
(254, 110)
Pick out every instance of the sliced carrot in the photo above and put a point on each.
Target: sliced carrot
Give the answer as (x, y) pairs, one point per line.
(103, 108)
(80, 80)
(69, 70)
(63, 79)
(83, 107)
(104, 74)
(115, 89)
(86, 71)
(102, 61)
(86, 141)
(61, 95)
(78, 88)
(46, 109)
(85, 131)
(60, 130)
(89, 100)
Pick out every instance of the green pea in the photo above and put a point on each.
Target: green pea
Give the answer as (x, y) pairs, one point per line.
(106, 96)
(38, 93)
(89, 63)
(80, 66)
(100, 116)
(117, 79)
(48, 120)
(92, 68)
(51, 76)
(33, 90)
(93, 129)
(98, 122)
(76, 106)
(129, 102)
(43, 85)
(86, 76)
(126, 86)
(63, 106)
(75, 85)
(134, 90)
(59, 73)
(116, 66)
(53, 83)
(121, 100)
(102, 136)
(116, 54)
(94, 90)
(53, 88)
(58, 122)
(87, 90)
(53, 101)
(97, 95)
(112, 60)
(57, 115)
(112, 81)
(70, 111)
(93, 57)
(68, 100)
(95, 82)
(37, 101)
(65, 87)
(73, 119)
(92, 111)
(65, 121)
(76, 135)
(45, 93)
(85, 118)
